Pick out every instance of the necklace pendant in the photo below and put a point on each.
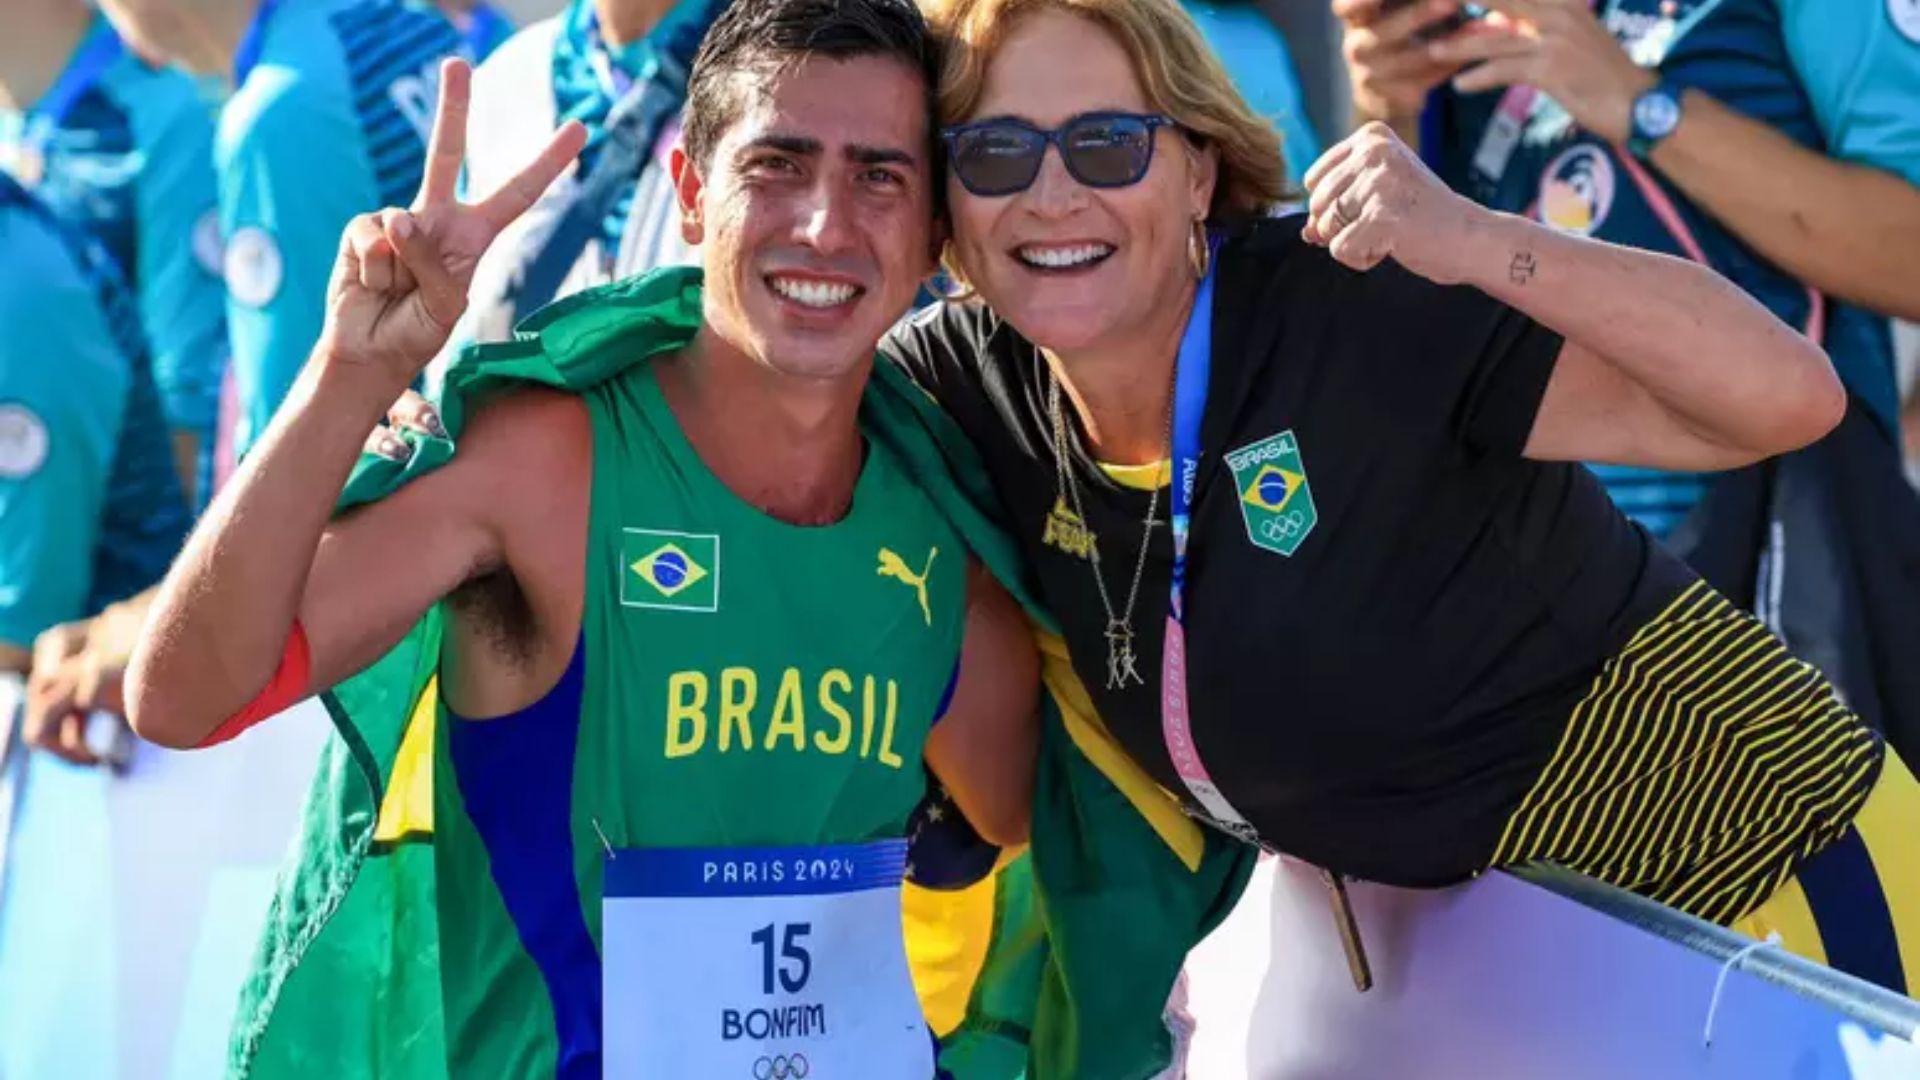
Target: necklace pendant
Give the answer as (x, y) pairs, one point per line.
(1122, 665)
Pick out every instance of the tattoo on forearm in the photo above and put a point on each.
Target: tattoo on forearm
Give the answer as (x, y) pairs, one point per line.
(1522, 269)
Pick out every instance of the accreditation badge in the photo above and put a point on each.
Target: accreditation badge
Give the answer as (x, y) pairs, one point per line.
(1276, 499)
(760, 964)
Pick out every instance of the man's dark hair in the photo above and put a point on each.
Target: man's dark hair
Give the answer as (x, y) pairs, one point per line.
(761, 37)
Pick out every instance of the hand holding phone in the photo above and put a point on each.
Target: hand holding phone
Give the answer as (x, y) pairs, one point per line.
(1465, 15)
(1386, 51)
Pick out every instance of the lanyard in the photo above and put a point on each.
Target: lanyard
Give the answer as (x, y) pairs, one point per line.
(1193, 368)
(51, 112)
(248, 55)
(614, 79)
(1509, 122)
(1502, 137)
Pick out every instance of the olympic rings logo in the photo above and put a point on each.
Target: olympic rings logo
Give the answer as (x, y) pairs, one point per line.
(781, 1067)
(1283, 528)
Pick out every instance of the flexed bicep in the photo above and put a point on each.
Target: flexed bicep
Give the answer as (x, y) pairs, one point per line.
(1593, 411)
(378, 569)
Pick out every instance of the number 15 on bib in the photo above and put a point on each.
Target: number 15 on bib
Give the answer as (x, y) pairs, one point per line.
(760, 964)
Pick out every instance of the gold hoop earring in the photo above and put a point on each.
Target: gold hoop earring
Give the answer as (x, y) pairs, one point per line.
(947, 273)
(1199, 252)
(944, 286)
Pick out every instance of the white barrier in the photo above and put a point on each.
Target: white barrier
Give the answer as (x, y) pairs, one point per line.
(1506, 980)
(133, 902)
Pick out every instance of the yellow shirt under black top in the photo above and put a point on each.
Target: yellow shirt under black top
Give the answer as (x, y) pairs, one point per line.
(1433, 679)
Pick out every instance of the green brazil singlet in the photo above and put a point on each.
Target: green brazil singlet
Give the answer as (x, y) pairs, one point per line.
(740, 682)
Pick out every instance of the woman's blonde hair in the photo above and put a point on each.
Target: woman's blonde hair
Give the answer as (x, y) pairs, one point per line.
(1179, 71)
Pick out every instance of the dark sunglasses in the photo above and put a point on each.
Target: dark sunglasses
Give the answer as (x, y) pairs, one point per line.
(999, 157)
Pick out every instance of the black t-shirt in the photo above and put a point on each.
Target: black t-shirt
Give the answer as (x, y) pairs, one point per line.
(1379, 700)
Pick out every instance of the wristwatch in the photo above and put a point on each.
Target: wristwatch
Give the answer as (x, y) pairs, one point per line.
(1655, 114)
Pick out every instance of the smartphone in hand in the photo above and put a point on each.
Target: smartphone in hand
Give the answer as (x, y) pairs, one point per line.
(1468, 14)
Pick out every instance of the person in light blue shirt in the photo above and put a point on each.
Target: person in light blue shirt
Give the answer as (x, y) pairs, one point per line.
(90, 509)
(328, 118)
(1256, 55)
(122, 150)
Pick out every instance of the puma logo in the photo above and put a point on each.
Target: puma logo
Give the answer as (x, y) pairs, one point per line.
(895, 567)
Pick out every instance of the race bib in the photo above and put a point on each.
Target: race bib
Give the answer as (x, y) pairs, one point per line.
(760, 964)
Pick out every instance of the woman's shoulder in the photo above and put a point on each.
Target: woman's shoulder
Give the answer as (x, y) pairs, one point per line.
(1265, 248)
(952, 337)
(1272, 236)
(964, 357)
(1269, 272)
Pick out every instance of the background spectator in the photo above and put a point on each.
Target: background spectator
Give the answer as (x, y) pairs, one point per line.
(83, 461)
(1257, 56)
(619, 67)
(328, 116)
(482, 26)
(122, 150)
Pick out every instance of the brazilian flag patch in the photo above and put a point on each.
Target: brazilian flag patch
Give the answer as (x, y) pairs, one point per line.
(1275, 499)
(672, 571)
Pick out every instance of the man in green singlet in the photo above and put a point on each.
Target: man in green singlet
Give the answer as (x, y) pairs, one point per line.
(700, 623)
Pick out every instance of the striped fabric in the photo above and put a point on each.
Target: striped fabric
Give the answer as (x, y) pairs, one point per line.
(144, 517)
(1702, 767)
(384, 43)
(1657, 499)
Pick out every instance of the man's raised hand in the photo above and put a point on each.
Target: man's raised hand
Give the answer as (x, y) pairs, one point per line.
(400, 281)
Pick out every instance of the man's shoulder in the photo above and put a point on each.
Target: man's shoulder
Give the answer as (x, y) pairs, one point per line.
(525, 421)
(314, 53)
(301, 107)
(527, 458)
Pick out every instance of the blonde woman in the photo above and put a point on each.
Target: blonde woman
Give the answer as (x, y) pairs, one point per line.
(1301, 494)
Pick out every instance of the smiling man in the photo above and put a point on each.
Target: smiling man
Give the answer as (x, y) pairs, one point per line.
(699, 623)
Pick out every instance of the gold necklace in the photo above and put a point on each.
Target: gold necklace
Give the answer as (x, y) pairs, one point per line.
(1123, 665)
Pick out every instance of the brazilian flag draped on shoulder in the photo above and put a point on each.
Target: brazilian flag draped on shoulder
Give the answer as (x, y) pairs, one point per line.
(1059, 965)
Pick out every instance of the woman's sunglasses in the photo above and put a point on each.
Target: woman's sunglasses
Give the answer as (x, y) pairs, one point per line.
(992, 158)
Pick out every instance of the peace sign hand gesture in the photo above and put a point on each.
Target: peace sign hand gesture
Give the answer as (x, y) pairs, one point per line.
(400, 281)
